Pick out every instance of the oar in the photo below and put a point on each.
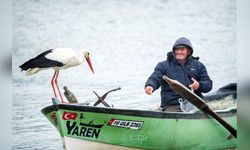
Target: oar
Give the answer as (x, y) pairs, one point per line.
(198, 102)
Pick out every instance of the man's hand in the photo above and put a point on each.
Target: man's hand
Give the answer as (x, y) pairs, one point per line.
(195, 85)
(149, 90)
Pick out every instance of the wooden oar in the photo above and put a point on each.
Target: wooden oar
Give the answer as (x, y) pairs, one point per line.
(198, 102)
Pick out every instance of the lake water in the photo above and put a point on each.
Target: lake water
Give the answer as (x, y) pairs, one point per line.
(126, 39)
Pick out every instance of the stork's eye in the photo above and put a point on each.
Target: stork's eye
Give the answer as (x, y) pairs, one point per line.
(88, 53)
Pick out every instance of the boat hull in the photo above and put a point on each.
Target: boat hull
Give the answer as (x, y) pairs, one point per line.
(137, 129)
(78, 144)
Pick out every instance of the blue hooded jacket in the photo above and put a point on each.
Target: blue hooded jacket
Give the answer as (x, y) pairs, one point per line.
(183, 73)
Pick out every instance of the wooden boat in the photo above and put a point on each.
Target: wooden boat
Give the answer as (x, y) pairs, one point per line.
(88, 127)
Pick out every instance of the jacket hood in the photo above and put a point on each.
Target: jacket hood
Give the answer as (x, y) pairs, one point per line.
(183, 41)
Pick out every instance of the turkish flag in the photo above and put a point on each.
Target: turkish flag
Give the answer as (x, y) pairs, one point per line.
(69, 115)
(53, 116)
(111, 121)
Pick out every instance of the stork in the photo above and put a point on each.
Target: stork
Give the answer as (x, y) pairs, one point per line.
(60, 58)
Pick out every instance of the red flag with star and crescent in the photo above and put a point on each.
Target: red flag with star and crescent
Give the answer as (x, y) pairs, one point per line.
(69, 115)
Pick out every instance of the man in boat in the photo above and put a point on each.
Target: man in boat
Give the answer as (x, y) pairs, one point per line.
(182, 66)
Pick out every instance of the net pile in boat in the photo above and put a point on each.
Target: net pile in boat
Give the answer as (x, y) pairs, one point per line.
(224, 103)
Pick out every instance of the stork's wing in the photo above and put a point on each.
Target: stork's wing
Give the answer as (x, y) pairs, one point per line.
(67, 56)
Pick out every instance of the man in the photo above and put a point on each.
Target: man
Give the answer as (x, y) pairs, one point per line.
(182, 66)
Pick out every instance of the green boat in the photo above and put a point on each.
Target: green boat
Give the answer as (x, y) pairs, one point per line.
(89, 127)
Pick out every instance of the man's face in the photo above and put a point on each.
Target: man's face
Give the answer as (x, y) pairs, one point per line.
(181, 53)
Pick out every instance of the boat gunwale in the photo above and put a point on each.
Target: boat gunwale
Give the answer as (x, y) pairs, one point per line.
(136, 112)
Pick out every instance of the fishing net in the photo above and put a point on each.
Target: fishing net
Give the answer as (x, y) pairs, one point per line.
(224, 103)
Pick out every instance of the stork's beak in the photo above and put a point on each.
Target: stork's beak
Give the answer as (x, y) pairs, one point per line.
(90, 64)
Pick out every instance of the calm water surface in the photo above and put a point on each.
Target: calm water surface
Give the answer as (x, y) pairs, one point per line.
(126, 39)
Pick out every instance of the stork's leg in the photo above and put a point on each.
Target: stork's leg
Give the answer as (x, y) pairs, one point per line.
(58, 86)
(52, 83)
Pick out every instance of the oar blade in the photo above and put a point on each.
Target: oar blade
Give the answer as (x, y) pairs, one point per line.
(185, 93)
